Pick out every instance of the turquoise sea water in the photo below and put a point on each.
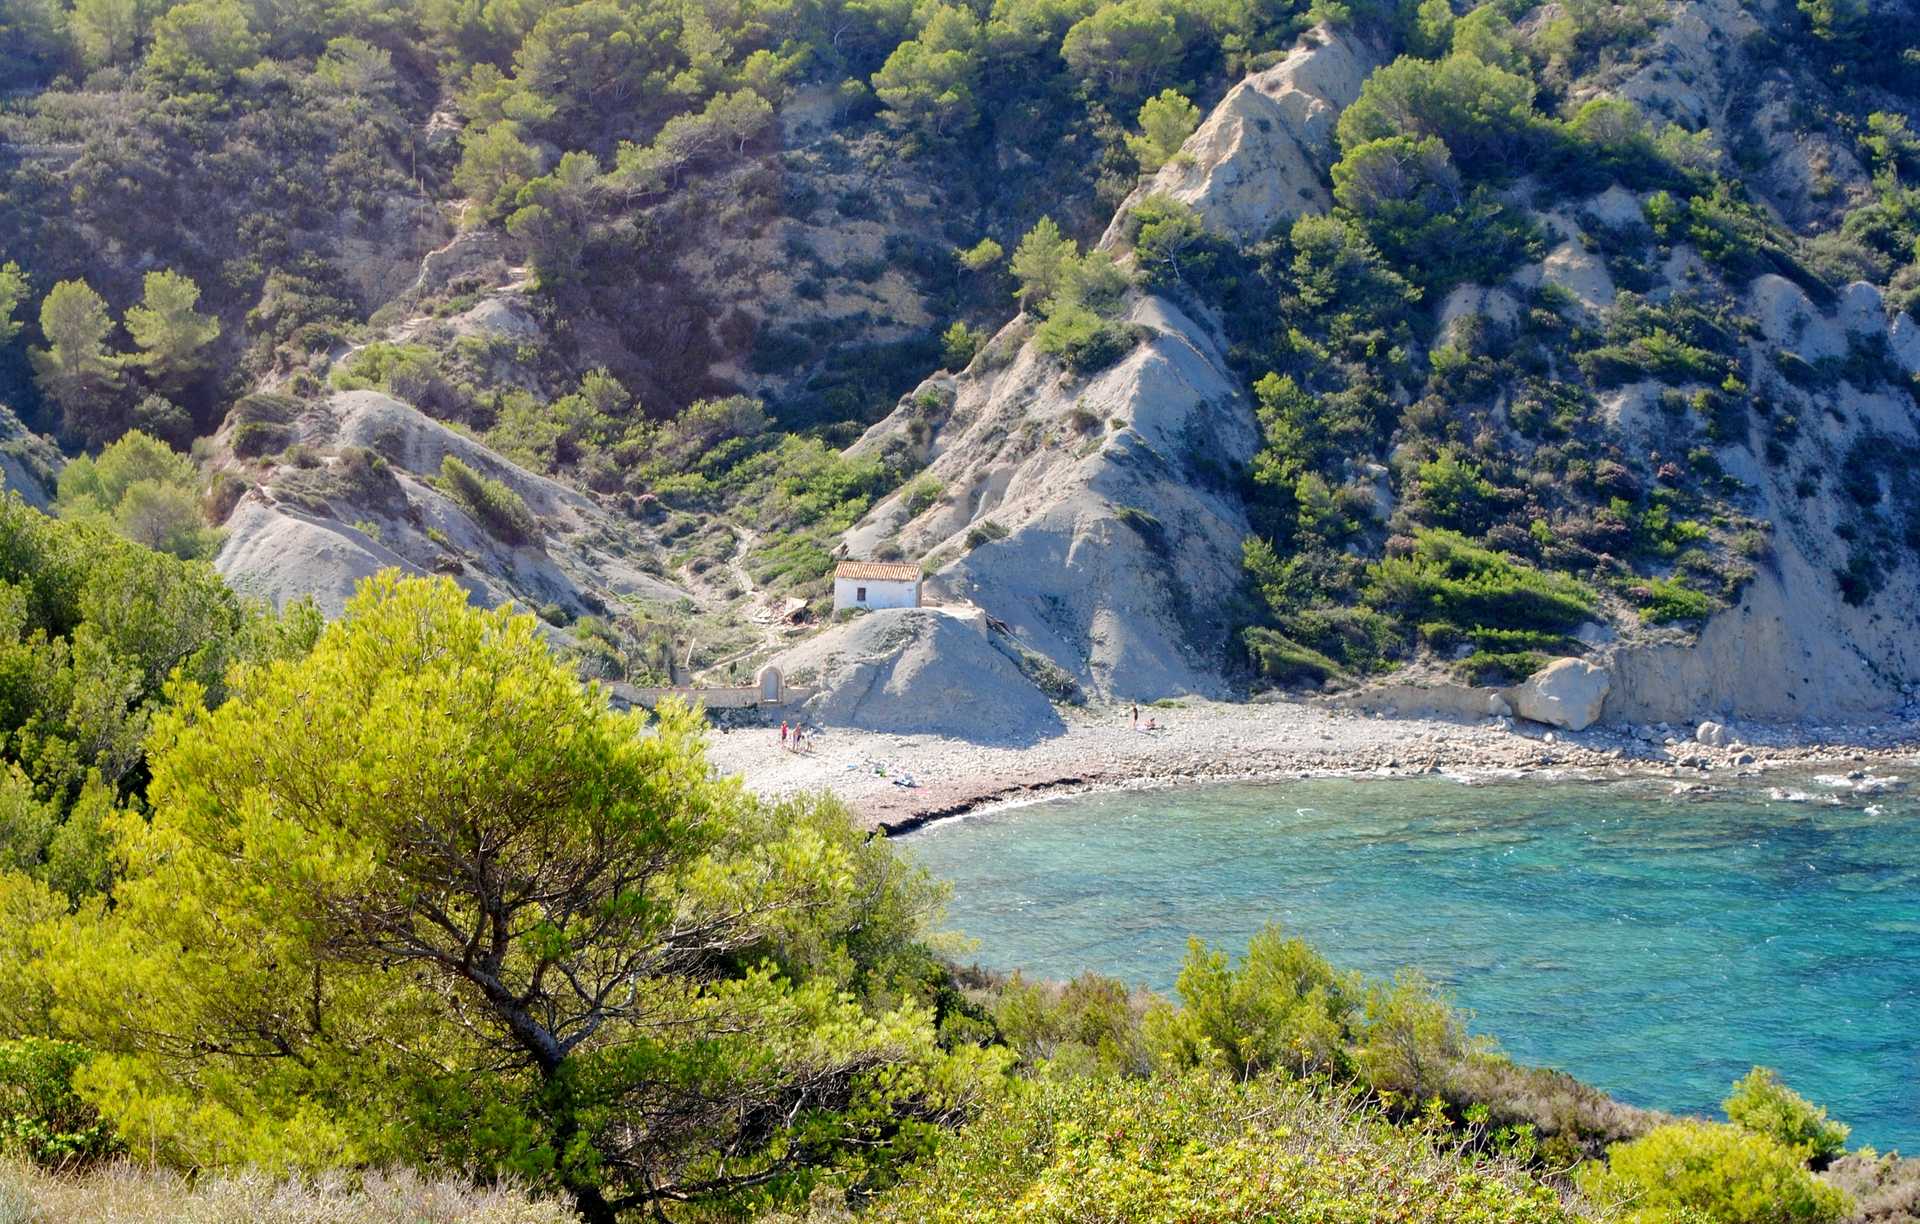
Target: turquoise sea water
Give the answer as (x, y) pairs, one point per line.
(1654, 946)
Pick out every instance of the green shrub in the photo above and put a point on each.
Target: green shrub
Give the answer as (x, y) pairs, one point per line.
(1283, 1006)
(1500, 666)
(1171, 243)
(959, 343)
(253, 439)
(264, 408)
(365, 478)
(1202, 1149)
(146, 491)
(1088, 1025)
(792, 559)
(1656, 530)
(922, 494)
(1680, 341)
(1671, 599)
(984, 532)
(1407, 194)
(41, 1117)
(1657, 354)
(409, 371)
(1449, 578)
(497, 508)
(1082, 339)
(1285, 661)
(1796, 369)
(1452, 491)
(1712, 1173)
(1516, 639)
(1762, 1104)
(1144, 524)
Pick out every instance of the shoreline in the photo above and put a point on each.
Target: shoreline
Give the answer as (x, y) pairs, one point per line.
(1200, 742)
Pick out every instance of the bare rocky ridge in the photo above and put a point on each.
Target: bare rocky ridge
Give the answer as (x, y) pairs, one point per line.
(919, 670)
(1097, 487)
(1262, 155)
(1095, 516)
(306, 532)
(29, 464)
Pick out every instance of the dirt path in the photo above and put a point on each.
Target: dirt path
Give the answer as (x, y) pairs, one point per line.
(772, 636)
(744, 540)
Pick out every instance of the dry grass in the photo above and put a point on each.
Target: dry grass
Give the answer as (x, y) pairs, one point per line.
(1554, 1103)
(125, 1193)
(1885, 1189)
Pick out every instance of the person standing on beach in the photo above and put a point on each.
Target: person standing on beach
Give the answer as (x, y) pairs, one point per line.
(783, 733)
(1136, 716)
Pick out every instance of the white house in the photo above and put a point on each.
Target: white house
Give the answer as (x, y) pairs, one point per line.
(876, 584)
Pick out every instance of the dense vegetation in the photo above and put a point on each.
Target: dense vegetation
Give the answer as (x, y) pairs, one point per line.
(544, 941)
(97, 632)
(1490, 428)
(398, 891)
(284, 165)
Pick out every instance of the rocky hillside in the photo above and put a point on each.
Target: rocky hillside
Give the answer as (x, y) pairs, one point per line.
(1744, 544)
(362, 482)
(1099, 516)
(1199, 350)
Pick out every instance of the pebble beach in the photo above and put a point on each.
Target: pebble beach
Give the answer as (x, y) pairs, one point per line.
(1203, 741)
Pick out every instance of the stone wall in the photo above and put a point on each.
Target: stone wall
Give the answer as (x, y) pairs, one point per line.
(730, 697)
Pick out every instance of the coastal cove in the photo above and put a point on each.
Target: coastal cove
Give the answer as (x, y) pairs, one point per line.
(1653, 944)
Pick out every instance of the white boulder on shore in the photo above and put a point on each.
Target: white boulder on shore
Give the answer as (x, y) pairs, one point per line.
(1565, 693)
(921, 671)
(1712, 734)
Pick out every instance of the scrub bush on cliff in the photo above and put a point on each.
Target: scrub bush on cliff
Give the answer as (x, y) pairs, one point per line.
(1761, 1103)
(1197, 1148)
(1686, 1172)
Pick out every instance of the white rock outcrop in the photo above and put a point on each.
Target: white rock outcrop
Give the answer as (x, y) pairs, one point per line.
(1403, 699)
(1712, 734)
(281, 547)
(1581, 273)
(1259, 157)
(1565, 693)
(920, 670)
(1793, 648)
(29, 464)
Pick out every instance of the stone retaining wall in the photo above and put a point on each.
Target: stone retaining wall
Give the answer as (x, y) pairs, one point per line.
(731, 697)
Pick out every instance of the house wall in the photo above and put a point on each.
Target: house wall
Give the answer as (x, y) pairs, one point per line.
(880, 593)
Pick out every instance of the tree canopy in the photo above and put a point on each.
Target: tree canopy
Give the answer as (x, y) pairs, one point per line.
(92, 627)
(168, 328)
(420, 893)
(75, 368)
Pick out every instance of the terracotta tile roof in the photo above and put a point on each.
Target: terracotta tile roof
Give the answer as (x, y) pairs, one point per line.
(878, 571)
